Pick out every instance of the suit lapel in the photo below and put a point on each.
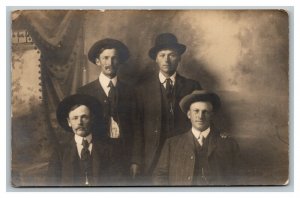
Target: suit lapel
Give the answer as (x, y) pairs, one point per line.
(188, 146)
(154, 88)
(70, 162)
(212, 142)
(99, 92)
(178, 86)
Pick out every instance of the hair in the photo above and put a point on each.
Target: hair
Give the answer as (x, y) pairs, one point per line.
(78, 105)
(104, 48)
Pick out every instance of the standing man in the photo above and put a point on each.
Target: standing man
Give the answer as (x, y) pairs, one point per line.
(83, 161)
(116, 101)
(201, 156)
(158, 113)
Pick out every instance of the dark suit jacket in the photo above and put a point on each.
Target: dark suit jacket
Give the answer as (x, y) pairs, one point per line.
(147, 142)
(177, 160)
(64, 165)
(121, 148)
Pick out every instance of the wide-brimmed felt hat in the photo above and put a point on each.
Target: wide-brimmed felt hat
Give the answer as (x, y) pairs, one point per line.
(198, 96)
(166, 41)
(64, 107)
(108, 43)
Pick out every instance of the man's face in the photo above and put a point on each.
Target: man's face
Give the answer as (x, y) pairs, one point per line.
(80, 120)
(109, 62)
(167, 60)
(200, 114)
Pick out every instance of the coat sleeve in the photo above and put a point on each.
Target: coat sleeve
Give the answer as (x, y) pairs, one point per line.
(161, 171)
(138, 139)
(54, 170)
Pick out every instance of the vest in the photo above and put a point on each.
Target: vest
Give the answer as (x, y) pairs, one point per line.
(201, 168)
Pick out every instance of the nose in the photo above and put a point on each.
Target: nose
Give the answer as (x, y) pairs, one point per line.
(201, 115)
(167, 59)
(80, 121)
(108, 61)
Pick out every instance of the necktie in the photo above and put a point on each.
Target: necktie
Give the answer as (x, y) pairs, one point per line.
(169, 87)
(112, 98)
(200, 139)
(169, 92)
(85, 157)
(85, 153)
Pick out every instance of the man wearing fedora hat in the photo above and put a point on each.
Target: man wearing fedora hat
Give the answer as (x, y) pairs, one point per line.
(201, 156)
(82, 161)
(115, 98)
(157, 98)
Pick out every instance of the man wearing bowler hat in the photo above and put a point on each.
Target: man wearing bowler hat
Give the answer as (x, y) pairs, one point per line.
(201, 156)
(82, 161)
(115, 98)
(157, 96)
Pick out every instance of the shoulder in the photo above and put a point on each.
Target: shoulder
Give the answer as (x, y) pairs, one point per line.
(226, 140)
(147, 82)
(90, 86)
(179, 138)
(188, 81)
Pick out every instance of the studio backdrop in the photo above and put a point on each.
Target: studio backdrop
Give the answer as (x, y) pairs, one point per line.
(242, 55)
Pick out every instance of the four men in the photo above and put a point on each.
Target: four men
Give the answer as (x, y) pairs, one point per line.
(135, 123)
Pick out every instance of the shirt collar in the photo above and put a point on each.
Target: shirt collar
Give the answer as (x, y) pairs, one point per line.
(78, 139)
(162, 78)
(104, 80)
(196, 132)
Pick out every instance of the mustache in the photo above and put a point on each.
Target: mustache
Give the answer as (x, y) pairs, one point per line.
(81, 128)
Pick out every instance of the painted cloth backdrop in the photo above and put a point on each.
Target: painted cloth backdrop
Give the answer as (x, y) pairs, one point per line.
(58, 38)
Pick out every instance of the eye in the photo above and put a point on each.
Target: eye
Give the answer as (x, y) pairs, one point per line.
(173, 55)
(74, 118)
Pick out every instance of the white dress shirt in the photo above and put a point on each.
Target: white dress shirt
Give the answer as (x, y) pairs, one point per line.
(162, 79)
(200, 135)
(104, 82)
(78, 140)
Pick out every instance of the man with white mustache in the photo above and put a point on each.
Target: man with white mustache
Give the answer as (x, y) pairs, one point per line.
(83, 160)
(116, 100)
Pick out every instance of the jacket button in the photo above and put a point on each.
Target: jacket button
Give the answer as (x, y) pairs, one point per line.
(189, 177)
(156, 131)
(105, 101)
(192, 157)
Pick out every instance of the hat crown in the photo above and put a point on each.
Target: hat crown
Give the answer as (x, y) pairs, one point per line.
(165, 38)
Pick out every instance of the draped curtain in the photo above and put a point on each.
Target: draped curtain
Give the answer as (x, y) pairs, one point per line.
(59, 34)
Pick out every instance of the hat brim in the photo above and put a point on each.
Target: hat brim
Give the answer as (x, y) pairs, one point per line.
(64, 107)
(180, 48)
(200, 96)
(123, 51)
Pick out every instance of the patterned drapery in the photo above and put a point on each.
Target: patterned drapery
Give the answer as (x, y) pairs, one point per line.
(59, 36)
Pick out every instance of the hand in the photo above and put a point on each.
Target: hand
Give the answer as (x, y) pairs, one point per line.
(134, 170)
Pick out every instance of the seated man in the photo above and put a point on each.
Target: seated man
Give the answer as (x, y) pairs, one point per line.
(83, 161)
(201, 156)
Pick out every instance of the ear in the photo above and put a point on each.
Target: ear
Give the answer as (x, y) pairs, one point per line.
(189, 114)
(97, 61)
(69, 123)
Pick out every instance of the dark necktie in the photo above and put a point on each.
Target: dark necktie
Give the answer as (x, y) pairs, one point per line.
(169, 92)
(169, 87)
(112, 98)
(85, 153)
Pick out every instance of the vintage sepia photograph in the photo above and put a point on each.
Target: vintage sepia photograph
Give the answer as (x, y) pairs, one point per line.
(153, 98)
